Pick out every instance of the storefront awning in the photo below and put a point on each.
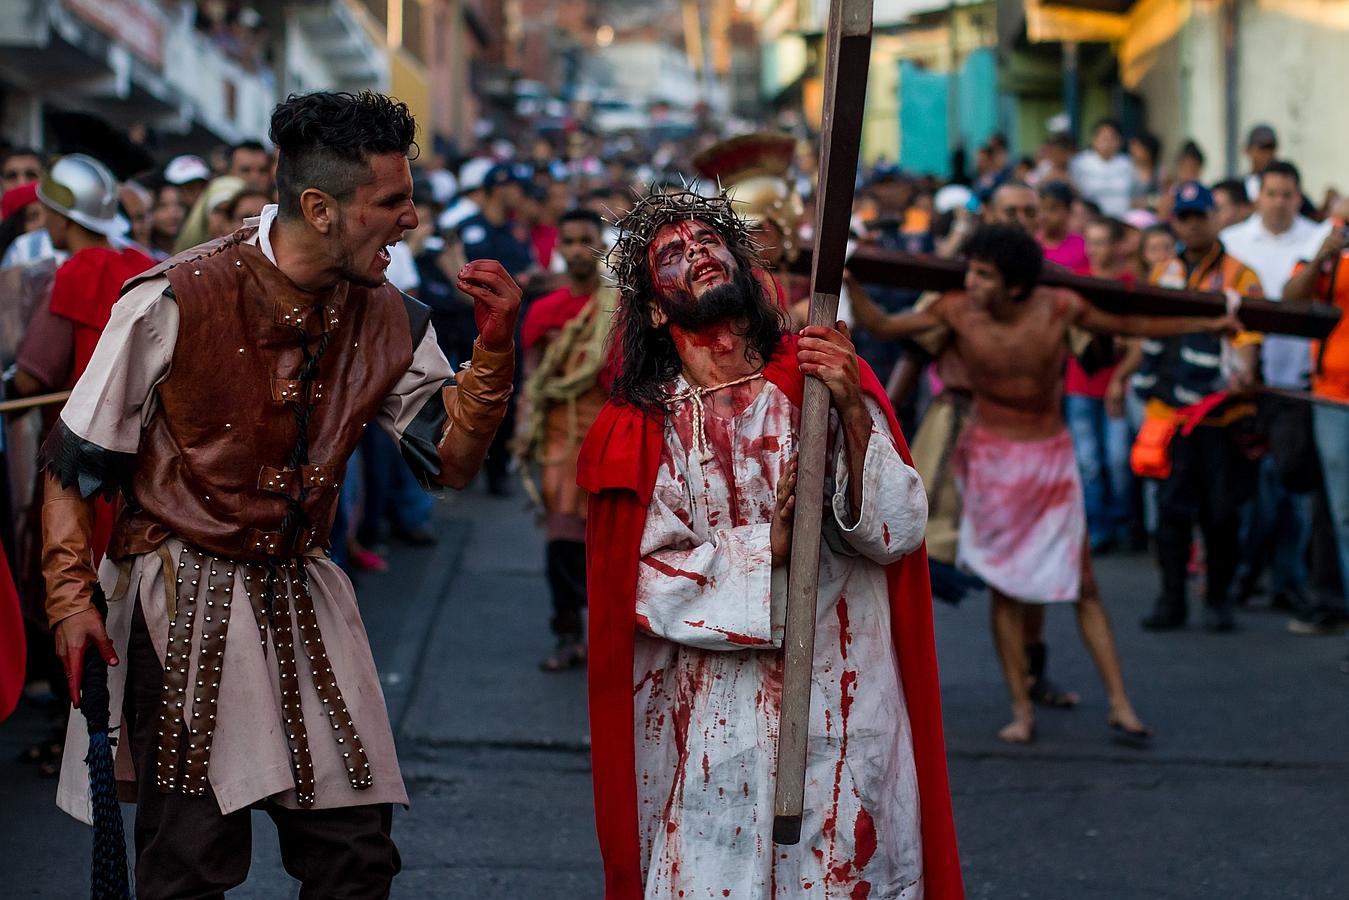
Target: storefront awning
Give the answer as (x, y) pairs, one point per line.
(1136, 29)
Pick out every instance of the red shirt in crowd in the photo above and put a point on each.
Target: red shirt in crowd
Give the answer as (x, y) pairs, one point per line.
(84, 290)
(1078, 383)
(543, 237)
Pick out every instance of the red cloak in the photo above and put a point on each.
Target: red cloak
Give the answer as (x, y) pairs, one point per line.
(84, 291)
(13, 658)
(618, 466)
(86, 287)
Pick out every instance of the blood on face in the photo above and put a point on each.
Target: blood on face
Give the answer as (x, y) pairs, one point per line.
(687, 258)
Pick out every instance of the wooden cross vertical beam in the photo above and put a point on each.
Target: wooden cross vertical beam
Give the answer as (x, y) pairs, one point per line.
(848, 56)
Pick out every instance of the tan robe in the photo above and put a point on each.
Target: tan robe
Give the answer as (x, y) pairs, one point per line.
(563, 500)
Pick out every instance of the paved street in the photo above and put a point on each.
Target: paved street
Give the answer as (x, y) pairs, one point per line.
(1241, 797)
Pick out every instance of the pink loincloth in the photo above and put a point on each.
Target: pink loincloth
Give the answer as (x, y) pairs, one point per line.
(1023, 521)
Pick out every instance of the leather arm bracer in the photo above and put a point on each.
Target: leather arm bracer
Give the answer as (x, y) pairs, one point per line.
(67, 557)
(475, 407)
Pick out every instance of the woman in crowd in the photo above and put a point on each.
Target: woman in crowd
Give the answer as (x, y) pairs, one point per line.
(166, 220)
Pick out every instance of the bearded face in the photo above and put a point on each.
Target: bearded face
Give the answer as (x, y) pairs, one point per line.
(693, 275)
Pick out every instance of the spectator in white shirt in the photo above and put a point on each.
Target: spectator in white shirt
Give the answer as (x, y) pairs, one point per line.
(1278, 521)
(1102, 173)
(1271, 242)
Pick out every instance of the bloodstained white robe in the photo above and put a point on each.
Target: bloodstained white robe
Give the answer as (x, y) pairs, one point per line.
(707, 673)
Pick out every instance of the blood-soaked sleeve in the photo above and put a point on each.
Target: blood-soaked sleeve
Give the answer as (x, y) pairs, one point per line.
(894, 505)
(444, 421)
(715, 595)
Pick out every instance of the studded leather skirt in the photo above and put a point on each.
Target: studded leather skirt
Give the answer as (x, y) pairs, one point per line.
(200, 591)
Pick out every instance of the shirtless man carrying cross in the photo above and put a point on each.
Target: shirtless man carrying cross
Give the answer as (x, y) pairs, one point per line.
(1023, 527)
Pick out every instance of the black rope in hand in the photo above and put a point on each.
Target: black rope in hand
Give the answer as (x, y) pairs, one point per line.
(109, 875)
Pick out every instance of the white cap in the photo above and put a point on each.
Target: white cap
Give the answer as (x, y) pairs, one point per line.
(443, 186)
(182, 169)
(472, 173)
(950, 198)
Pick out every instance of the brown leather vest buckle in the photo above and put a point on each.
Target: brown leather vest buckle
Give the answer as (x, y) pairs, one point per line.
(319, 477)
(270, 544)
(265, 543)
(291, 390)
(293, 315)
(290, 314)
(277, 481)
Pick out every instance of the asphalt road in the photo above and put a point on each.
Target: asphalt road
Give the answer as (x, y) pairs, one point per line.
(1243, 795)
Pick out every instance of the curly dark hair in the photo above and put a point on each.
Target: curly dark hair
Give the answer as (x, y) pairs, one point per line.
(325, 140)
(1011, 250)
(648, 358)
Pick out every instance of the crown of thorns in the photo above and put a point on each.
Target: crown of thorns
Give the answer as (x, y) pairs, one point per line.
(628, 254)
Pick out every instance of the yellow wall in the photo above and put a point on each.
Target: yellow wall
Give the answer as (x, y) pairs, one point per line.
(408, 82)
(1292, 69)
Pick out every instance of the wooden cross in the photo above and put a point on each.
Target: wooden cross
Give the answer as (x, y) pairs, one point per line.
(876, 265)
(848, 56)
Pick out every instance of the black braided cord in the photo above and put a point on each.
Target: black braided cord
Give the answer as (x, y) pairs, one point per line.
(296, 520)
(109, 878)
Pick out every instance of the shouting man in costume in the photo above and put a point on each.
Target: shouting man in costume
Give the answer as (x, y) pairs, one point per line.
(691, 470)
(564, 337)
(227, 393)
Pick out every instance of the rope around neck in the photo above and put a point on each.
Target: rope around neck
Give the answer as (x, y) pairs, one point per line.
(696, 395)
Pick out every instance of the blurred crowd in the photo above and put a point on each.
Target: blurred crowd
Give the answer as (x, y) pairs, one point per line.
(1227, 457)
(237, 29)
(1256, 509)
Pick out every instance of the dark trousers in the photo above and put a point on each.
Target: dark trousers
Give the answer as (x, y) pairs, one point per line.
(566, 565)
(391, 490)
(187, 850)
(1210, 479)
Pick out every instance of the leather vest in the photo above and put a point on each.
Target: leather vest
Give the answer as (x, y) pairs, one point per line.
(223, 462)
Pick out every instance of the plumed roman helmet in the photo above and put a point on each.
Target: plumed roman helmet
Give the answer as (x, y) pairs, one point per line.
(753, 171)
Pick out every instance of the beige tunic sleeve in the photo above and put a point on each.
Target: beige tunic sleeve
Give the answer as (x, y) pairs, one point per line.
(100, 426)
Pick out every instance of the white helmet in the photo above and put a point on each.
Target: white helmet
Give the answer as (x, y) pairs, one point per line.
(82, 189)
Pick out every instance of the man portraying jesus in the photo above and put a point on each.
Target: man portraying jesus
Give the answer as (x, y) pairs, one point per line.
(691, 471)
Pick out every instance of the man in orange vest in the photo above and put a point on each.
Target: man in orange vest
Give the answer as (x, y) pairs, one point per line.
(1323, 276)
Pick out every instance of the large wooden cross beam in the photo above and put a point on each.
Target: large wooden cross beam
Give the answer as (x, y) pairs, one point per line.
(874, 265)
(848, 56)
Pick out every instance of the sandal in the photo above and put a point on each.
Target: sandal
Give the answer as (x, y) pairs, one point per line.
(1044, 692)
(1137, 738)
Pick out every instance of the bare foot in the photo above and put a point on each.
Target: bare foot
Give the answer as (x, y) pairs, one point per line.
(1018, 731)
(569, 655)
